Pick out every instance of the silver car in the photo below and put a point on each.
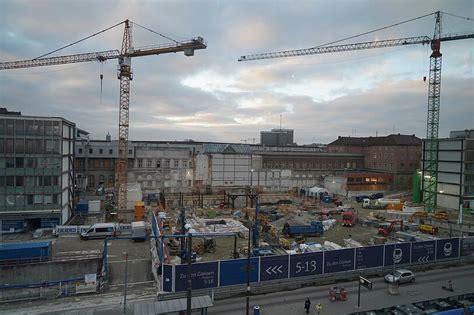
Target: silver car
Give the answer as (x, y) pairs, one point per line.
(400, 276)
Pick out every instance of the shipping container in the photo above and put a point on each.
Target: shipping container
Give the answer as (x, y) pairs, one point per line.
(82, 207)
(25, 252)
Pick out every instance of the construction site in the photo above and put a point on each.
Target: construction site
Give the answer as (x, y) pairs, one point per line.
(187, 215)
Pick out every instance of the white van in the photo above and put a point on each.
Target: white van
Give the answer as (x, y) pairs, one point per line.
(100, 230)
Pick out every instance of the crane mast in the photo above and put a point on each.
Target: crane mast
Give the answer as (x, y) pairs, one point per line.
(430, 150)
(125, 75)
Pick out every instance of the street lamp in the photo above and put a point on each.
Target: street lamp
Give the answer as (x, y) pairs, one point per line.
(125, 255)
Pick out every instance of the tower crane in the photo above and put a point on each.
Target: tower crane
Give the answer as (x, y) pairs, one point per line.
(125, 75)
(430, 154)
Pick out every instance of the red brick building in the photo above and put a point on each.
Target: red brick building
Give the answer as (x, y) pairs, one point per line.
(398, 155)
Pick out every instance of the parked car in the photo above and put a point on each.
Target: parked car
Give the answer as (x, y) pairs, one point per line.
(361, 198)
(400, 276)
(376, 196)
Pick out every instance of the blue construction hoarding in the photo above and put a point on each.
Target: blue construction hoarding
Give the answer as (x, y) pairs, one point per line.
(397, 254)
(339, 260)
(369, 257)
(308, 264)
(447, 248)
(167, 278)
(234, 272)
(203, 275)
(273, 267)
(423, 252)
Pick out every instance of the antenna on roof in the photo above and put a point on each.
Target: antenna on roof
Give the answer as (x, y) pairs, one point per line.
(280, 122)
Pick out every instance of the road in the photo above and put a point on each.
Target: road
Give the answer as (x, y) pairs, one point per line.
(427, 286)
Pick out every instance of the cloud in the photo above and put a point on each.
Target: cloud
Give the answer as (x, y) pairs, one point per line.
(211, 96)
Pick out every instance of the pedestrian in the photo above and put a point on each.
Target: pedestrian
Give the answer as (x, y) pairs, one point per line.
(307, 305)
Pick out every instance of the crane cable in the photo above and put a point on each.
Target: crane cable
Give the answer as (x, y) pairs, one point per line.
(146, 28)
(83, 39)
(458, 16)
(376, 30)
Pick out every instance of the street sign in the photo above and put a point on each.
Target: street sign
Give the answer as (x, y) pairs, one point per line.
(235, 271)
(339, 260)
(308, 264)
(167, 278)
(273, 267)
(365, 283)
(447, 249)
(423, 252)
(397, 254)
(369, 257)
(203, 275)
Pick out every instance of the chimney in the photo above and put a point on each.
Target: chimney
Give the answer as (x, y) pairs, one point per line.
(108, 137)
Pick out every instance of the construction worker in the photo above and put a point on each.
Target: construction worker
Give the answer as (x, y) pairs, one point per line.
(319, 308)
(307, 305)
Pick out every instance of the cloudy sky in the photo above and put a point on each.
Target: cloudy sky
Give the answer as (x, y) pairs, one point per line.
(211, 96)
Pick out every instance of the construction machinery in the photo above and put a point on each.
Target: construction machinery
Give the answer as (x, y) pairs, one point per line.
(430, 160)
(349, 218)
(125, 75)
(208, 245)
(429, 229)
(388, 228)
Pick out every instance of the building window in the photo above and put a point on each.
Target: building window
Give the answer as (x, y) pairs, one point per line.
(140, 162)
(38, 199)
(101, 179)
(111, 151)
(80, 151)
(148, 163)
(167, 163)
(20, 181)
(130, 152)
(20, 163)
(90, 151)
(158, 164)
(10, 181)
(101, 151)
(190, 164)
(149, 184)
(10, 163)
(176, 163)
(185, 164)
(91, 181)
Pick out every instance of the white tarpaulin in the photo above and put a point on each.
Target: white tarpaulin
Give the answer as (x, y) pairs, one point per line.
(314, 191)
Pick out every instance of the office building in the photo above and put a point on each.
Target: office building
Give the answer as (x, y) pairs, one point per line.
(36, 170)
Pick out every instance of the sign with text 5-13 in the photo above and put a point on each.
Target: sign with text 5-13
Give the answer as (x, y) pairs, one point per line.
(308, 264)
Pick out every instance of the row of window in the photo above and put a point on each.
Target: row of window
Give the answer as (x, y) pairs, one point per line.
(21, 162)
(151, 184)
(22, 127)
(29, 146)
(92, 183)
(22, 200)
(101, 151)
(308, 165)
(29, 181)
(167, 163)
(95, 163)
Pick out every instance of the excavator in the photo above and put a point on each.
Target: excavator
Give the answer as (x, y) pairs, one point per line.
(387, 230)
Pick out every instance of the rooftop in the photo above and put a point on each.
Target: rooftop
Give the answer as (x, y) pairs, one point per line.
(393, 139)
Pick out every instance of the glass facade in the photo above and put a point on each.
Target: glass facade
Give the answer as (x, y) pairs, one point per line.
(31, 164)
